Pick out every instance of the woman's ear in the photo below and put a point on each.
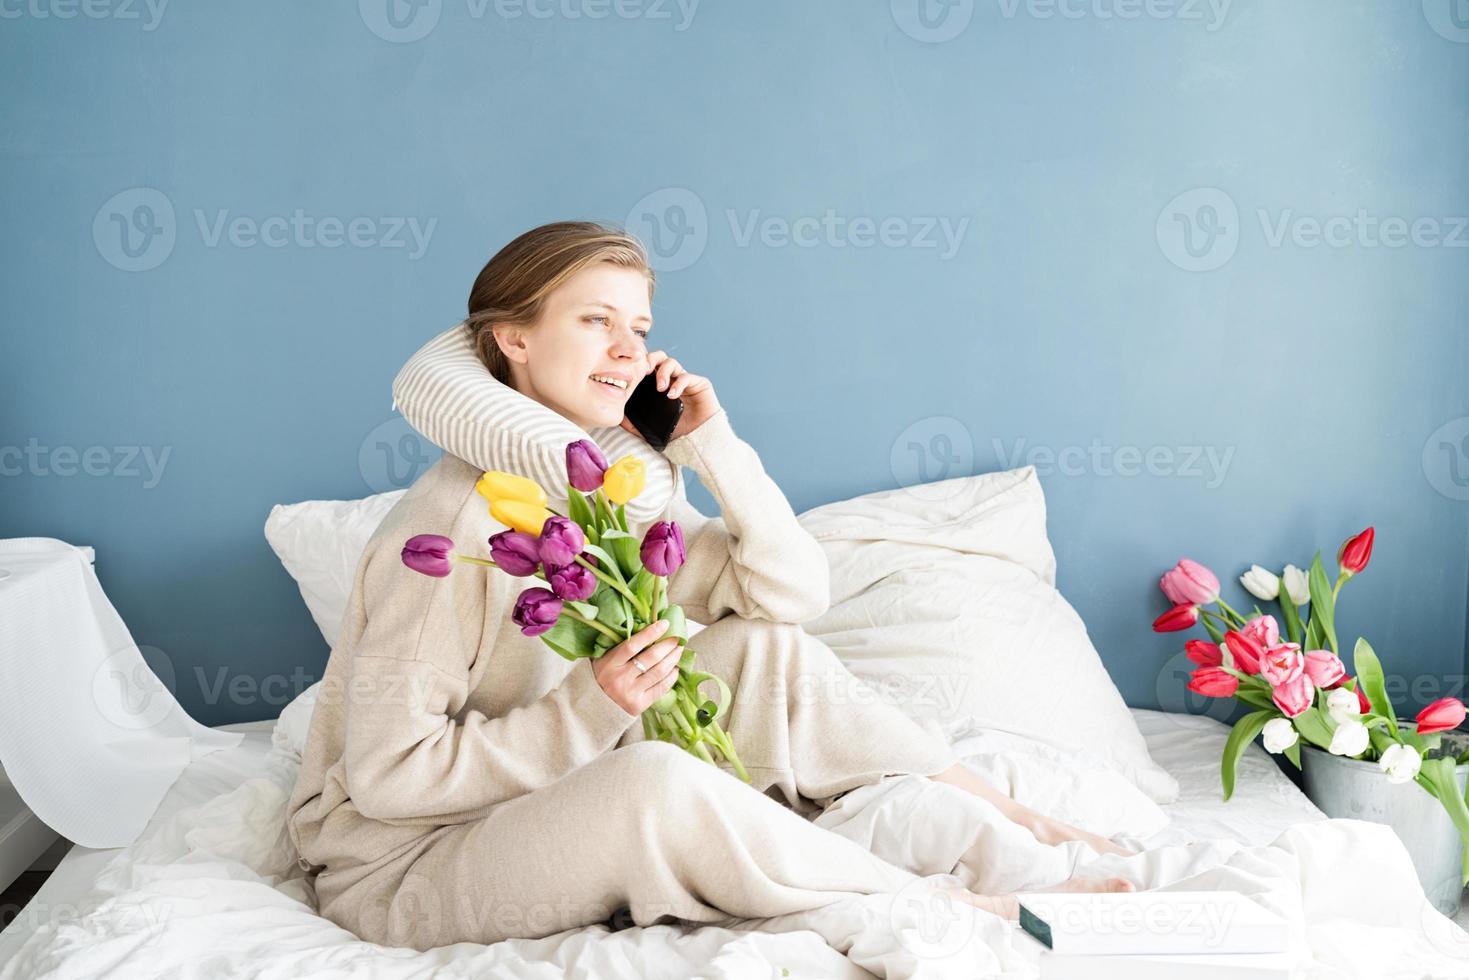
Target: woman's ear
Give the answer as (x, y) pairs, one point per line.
(510, 338)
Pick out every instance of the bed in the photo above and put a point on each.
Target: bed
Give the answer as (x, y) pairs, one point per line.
(211, 889)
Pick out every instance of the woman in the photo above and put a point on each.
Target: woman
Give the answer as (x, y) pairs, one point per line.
(460, 782)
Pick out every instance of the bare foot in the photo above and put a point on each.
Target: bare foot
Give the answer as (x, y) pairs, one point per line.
(1008, 906)
(1051, 831)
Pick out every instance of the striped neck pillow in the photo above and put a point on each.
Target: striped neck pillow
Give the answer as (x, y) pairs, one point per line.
(446, 393)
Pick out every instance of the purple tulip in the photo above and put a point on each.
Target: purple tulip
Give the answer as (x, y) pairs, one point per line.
(663, 549)
(571, 582)
(429, 554)
(585, 465)
(561, 541)
(536, 611)
(515, 552)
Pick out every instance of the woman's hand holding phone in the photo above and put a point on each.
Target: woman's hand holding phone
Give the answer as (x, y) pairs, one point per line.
(696, 391)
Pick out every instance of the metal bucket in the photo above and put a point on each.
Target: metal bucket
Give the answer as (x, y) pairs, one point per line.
(1358, 790)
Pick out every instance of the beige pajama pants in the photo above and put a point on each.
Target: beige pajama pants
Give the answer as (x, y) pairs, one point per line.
(653, 830)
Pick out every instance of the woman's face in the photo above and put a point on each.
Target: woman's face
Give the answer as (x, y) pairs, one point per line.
(595, 323)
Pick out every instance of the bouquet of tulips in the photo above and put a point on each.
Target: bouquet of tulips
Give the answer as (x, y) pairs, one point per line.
(1299, 685)
(602, 584)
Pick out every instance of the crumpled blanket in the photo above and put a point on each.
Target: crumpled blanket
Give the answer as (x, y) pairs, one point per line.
(211, 889)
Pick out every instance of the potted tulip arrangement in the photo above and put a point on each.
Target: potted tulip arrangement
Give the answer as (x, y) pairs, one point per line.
(1358, 753)
(601, 585)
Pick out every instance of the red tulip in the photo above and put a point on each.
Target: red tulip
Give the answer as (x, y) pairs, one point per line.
(1443, 715)
(1180, 617)
(1355, 553)
(1247, 653)
(1213, 682)
(1204, 653)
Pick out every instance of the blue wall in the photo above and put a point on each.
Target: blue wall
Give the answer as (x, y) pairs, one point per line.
(1100, 167)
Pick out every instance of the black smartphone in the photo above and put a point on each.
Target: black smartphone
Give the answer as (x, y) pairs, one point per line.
(652, 412)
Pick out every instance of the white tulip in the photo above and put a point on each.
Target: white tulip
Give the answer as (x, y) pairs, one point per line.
(1297, 585)
(1343, 705)
(1401, 763)
(1280, 735)
(1350, 738)
(1260, 583)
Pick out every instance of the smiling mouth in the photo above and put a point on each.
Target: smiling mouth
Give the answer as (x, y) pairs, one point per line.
(608, 387)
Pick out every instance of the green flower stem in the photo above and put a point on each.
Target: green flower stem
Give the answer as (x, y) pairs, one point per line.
(636, 602)
(1225, 606)
(474, 561)
(599, 627)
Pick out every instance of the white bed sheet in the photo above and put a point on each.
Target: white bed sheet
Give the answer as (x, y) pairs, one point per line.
(189, 899)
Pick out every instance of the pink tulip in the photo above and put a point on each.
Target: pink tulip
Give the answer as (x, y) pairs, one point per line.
(1355, 553)
(1204, 653)
(1324, 668)
(1294, 696)
(1281, 664)
(1263, 630)
(1443, 715)
(1213, 682)
(1246, 652)
(1178, 618)
(1189, 584)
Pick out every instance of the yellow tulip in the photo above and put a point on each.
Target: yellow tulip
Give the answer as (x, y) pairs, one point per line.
(496, 485)
(520, 515)
(624, 480)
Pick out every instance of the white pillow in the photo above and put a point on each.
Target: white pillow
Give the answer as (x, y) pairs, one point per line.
(320, 543)
(943, 600)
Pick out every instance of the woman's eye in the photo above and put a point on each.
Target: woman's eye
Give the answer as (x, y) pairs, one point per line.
(641, 333)
(598, 319)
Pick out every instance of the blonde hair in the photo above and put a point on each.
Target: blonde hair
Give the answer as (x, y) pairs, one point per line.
(513, 286)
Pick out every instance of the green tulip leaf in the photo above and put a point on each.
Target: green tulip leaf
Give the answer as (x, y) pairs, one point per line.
(1323, 605)
(1369, 675)
(1292, 617)
(1215, 633)
(1294, 753)
(624, 547)
(1312, 725)
(578, 509)
(1243, 734)
(1255, 696)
